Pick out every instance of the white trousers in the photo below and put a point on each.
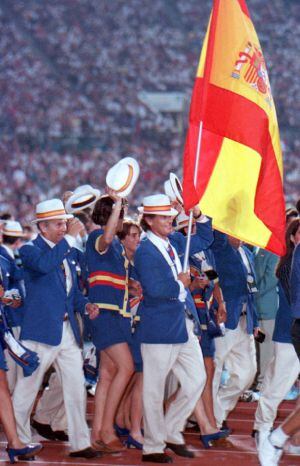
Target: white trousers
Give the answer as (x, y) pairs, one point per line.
(12, 366)
(237, 348)
(186, 362)
(266, 349)
(50, 408)
(280, 375)
(67, 360)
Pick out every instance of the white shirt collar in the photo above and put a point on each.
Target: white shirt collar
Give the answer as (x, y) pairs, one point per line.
(50, 243)
(244, 259)
(164, 242)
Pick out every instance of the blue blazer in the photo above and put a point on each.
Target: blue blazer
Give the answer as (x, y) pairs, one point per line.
(15, 279)
(233, 281)
(295, 283)
(162, 314)
(284, 319)
(46, 300)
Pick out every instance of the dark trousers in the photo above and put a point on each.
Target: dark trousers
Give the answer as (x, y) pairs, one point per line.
(296, 336)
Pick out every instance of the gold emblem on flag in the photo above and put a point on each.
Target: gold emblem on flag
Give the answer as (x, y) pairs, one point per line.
(251, 69)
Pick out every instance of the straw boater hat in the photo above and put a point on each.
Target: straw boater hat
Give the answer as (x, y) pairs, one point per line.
(182, 220)
(157, 204)
(50, 210)
(123, 176)
(84, 196)
(13, 228)
(173, 188)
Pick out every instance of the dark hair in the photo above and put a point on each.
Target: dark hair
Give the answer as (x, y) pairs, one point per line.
(126, 228)
(298, 206)
(290, 246)
(143, 222)
(27, 228)
(10, 239)
(182, 231)
(290, 213)
(83, 217)
(103, 209)
(5, 216)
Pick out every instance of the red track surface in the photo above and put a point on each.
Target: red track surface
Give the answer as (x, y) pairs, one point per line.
(238, 451)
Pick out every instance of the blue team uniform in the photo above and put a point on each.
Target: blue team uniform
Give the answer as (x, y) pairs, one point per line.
(108, 287)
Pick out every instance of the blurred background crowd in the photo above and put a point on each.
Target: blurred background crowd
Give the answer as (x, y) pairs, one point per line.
(71, 76)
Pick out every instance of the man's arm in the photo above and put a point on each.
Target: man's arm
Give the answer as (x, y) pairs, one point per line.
(41, 261)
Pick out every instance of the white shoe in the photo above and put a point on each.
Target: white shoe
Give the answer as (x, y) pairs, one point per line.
(292, 449)
(268, 454)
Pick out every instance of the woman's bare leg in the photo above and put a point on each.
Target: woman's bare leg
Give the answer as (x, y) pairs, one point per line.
(7, 414)
(136, 411)
(120, 355)
(203, 420)
(123, 415)
(107, 373)
(207, 394)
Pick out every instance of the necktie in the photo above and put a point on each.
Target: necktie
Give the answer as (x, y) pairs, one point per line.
(172, 255)
(64, 274)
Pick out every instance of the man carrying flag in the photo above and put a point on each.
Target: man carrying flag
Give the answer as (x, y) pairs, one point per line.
(232, 159)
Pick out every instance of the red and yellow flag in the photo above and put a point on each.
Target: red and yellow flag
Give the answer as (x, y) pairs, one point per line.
(239, 177)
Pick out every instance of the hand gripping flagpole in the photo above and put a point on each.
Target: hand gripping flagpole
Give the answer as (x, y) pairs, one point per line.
(188, 239)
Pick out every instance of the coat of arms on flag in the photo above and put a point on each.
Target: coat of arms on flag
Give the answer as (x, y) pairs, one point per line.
(250, 67)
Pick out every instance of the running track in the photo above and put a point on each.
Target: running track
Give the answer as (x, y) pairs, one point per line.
(239, 450)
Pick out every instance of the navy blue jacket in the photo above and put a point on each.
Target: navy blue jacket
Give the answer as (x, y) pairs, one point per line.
(284, 319)
(162, 314)
(46, 300)
(15, 279)
(233, 281)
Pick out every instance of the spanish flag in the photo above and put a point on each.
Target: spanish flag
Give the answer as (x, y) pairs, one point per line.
(233, 126)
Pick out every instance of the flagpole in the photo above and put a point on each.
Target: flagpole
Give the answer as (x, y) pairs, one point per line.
(188, 239)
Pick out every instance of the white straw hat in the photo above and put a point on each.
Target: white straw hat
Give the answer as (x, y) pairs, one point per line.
(84, 196)
(173, 188)
(50, 210)
(13, 228)
(157, 204)
(123, 176)
(182, 220)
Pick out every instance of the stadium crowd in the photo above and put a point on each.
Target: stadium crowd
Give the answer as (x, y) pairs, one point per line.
(70, 78)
